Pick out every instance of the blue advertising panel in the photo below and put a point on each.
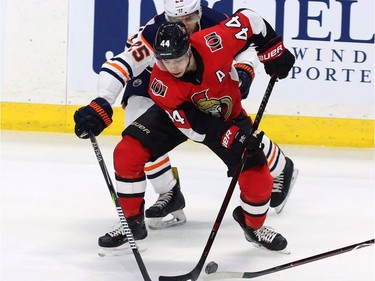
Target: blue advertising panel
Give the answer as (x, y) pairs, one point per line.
(332, 40)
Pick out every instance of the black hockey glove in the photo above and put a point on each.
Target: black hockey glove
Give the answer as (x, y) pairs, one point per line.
(95, 117)
(276, 58)
(236, 138)
(246, 75)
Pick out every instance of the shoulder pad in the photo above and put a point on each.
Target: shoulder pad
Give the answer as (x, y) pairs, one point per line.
(151, 28)
(211, 17)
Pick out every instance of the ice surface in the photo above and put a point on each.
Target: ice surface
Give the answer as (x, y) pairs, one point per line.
(55, 204)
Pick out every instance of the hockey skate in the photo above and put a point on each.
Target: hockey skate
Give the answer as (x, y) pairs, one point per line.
(283, 185)
(167, 211)
(264, 237)
(115, 242)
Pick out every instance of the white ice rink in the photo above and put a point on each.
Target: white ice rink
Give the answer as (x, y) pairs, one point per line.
(55, 204)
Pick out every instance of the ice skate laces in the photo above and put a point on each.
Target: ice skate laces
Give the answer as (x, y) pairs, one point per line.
(278, 183)
(163, 199)
(119, 231)
(265, 234)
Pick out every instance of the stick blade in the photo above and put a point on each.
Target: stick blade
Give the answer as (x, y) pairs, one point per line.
(223, 275)
(191, 276)
(185, 277)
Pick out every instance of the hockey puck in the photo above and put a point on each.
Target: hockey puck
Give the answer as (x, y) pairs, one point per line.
(211, 267)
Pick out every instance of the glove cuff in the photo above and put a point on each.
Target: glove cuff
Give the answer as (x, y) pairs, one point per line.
(271, 50)
(100, 109)
(247, 68)
(229, 136)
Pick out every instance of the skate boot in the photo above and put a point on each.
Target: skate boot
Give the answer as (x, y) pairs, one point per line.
(283, 185)
(264, 237)
(115, 242)
(169, 203)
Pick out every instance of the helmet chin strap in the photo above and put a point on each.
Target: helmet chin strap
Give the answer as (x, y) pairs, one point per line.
(199, 25)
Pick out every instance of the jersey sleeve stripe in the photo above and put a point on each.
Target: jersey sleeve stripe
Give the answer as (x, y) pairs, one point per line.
(121, 70)
(114, 74)
(127, 66)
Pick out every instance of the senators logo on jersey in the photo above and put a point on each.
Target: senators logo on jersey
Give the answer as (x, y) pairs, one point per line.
(213, 41)
(158, 88)
(215, 107)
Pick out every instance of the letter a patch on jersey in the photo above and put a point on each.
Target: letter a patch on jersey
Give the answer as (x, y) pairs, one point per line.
(158, 88)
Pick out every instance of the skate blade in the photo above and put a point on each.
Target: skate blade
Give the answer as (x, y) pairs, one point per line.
(122, 250)
(279, 208)
(259, 246)
(178, 218)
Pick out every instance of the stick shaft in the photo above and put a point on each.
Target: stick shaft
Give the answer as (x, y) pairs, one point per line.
(119, 210)
(254, 274)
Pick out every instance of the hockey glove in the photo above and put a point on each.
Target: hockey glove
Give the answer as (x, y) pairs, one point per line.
(95, 117)
(246, 75)
(276, 58)
(236, 138)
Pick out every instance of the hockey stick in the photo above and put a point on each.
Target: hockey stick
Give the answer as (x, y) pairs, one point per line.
(248, 275)
(194, 274)
(120, 213)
